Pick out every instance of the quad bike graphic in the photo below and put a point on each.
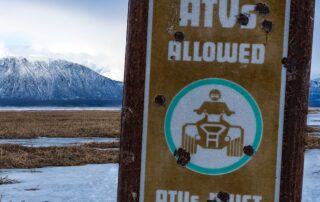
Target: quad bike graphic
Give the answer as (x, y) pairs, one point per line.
(213, 133)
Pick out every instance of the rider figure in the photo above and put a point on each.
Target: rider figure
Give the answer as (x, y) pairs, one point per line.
(214, 109)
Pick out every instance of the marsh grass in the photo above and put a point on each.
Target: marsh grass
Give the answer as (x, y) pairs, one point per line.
(63, 124)
(312, 142)
(32, 124)
(16, 156)
(313, 110)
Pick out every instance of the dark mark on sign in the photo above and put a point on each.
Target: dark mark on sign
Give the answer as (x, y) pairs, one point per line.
(285, 62)
(262, 9)
(160, 100)
(183, 156)
(179, 36)
(289, 63)
(243, 19)
(224, 197)
(267, 26)
(248, 150)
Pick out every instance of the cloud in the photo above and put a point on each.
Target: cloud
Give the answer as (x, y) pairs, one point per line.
(316, 42)
(38, 30)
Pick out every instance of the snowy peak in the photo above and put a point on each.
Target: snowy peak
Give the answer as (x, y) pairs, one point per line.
(314, 98)
(57, 80)
(315, 82)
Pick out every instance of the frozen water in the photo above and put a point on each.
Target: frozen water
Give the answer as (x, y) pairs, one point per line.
(96, 183)
(58, 142)
(311, 176)
(9, 109)
(314, 119)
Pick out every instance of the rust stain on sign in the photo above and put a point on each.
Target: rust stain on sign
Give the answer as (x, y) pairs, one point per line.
(214, 94)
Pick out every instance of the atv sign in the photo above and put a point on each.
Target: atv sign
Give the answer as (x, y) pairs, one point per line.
(214, 100)
(225, 119)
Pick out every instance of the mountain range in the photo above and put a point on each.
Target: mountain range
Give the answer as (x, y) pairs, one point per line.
(314, 98)
(55, 83)
(63, 83)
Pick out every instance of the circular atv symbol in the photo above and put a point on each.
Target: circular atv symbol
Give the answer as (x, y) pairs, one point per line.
(213, 120)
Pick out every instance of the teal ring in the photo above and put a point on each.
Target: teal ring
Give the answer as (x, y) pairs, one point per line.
(259, 124)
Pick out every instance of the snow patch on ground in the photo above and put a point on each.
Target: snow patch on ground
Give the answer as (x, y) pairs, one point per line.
(314, 119)
(311, 176)
(96, 183)
(9, 109)
(58, 142)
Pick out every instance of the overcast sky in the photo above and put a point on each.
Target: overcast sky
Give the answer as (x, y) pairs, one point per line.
(316, 43)
(89, 32)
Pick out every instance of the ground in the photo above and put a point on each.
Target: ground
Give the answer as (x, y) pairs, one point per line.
(90, 181)
(40, 139)
(57, 138)
(96, 183)
(311, 177)
(54, 123)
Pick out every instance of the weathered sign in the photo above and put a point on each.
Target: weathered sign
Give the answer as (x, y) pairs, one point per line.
(215, 91)
(214, 100)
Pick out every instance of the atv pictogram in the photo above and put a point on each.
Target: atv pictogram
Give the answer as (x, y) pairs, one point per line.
(213, 132)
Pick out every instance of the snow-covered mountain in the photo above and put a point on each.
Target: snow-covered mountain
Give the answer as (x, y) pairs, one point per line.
(54, 83)
(314, 98)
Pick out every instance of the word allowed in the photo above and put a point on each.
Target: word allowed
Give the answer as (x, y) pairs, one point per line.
(185, 196)
(243, 53)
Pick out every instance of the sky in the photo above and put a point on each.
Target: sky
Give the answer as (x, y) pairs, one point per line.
(89, 32)
(315, 72)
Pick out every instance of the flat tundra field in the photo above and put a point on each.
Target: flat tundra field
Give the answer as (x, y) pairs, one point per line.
(31, 124)
(58, 124)
(71, 124)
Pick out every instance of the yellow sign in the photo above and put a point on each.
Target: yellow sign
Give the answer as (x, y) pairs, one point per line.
(214, 96)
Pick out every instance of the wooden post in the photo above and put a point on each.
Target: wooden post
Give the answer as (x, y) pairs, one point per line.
(296, 101)
(132, 109)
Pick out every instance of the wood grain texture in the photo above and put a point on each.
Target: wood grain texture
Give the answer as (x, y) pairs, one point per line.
(132, 111)
(296, 102)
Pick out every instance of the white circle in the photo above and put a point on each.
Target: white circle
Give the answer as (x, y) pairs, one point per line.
(184, 113)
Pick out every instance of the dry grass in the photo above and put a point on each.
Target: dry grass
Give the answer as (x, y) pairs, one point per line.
(16, 156)
(313, 110)
(31, 124)
(312, 142)
(313, 130)
(312, 138)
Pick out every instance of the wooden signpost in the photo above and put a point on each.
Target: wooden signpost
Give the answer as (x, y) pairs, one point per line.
(215, 100)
